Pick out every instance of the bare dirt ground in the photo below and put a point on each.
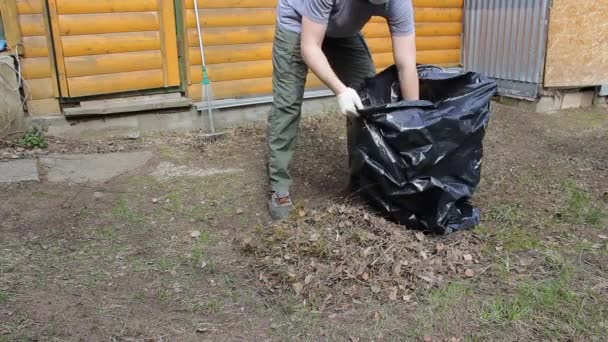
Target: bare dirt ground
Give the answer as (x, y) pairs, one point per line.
(144, 259)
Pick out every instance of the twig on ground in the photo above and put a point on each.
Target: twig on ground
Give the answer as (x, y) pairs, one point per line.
(8, 142)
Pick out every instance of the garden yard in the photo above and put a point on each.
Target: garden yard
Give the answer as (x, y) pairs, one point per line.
(182, 249)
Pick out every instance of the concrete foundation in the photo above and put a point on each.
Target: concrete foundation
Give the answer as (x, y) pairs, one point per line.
(11, 109)
(553, 100)
(136, 124)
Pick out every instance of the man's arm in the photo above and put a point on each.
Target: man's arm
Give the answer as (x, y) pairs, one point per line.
(404, 51)
(311, 44)
(313, 35)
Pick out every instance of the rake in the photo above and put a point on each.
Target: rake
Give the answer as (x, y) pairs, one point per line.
(206, 91)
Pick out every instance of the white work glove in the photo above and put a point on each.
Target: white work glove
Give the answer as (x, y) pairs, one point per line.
(349, 101)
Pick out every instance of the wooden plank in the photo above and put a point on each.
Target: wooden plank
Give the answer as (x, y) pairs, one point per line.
(232, 17)
(263, 68)
(208, 4)
(439, 3)
(128, 99)
(82, 24)
(377, 30)
(110, 43)
(116, 83)
(435, 15)
(113, 63)
(30, 6)
(10, 23)
(263, 51)
(33, 68)
(41, 88)
(105, 6)
(31, 25)
(226, 90)
(265, 34)
(52, 61)
(233, 71)
(267, 16)
(577, 47)
(58, 50)
(171, 63)
(182, 41)
(128, 107)
(44, 107)
(232, 53)
(35, 46)
(232, 35)
(379, 45)
(439, 57)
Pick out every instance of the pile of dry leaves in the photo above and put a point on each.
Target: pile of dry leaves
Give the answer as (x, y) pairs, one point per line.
(343, 255)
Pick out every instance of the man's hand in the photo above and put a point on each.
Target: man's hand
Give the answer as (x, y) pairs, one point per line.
(349, 102)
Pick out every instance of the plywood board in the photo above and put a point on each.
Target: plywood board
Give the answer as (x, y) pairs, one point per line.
(577, 48)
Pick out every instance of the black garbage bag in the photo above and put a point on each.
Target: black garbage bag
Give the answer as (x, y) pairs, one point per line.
(419, 162)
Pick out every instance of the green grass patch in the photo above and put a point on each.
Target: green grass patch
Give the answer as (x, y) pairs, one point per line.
(508, 213)
(482, 230)
(200, 259)
(214, 306)
(123, 210)
(581, 209)
(440, 305)
(3, 297)
(502, 311)
(553, 307)
(518, 238)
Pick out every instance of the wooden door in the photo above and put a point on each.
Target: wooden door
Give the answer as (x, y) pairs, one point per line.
(114, 46)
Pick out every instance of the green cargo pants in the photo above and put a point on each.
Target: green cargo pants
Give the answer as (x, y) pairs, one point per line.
(351, 60)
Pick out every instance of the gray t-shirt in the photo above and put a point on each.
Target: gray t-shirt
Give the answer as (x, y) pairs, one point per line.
(345, 18)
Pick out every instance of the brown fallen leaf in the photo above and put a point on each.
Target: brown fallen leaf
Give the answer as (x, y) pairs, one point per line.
(420, 236)
(393, 294)
(298, 287)
(439, 248)
(469, 273)
(397, 268)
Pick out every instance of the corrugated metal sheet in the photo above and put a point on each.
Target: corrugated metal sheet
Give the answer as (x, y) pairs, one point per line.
(506, 40)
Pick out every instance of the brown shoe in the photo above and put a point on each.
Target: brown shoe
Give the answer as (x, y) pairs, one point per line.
(279, 205)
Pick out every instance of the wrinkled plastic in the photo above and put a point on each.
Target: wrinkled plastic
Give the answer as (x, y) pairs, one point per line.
(419, 162)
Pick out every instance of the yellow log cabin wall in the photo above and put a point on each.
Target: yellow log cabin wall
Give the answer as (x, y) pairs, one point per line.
(106, 47)
(238, 34)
